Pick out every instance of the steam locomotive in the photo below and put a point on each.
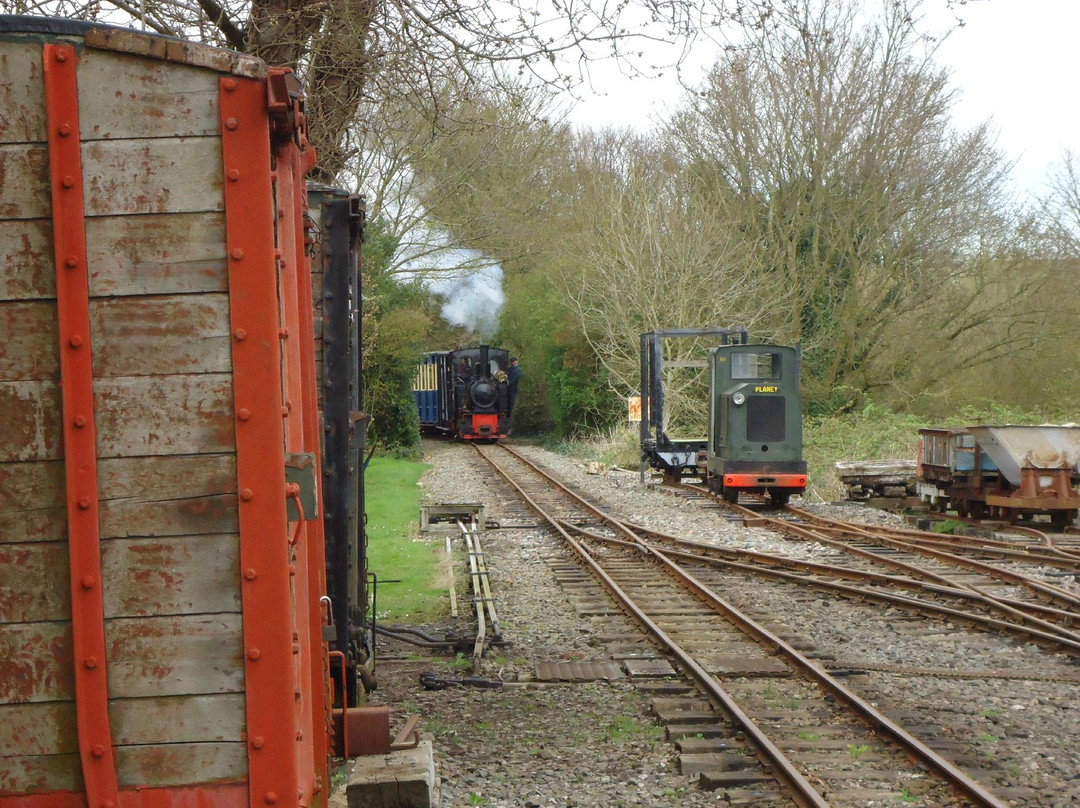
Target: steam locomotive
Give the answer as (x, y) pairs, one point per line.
(465, 393)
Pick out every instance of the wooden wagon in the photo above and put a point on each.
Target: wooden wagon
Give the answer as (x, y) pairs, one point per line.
(161, 639)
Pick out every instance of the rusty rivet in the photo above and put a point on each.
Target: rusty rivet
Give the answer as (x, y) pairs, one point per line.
(90, 663)
(79, 421)
(283, 333)
(270, 798)
(229, 84)
(64, 129)
(75, 341)
(231, 123)
(296, 652)
(257, 742)
(98, 751)
(107, 804)
(239, 334)
(243, 413)
(250, 574)
(61, 57)
(88, 582)
(246, 494)
(237, 254)
(68, 181)
(284, 412)
(71, 262)
(300, 737)
(84, 502)
(254, 654)
(233, 174)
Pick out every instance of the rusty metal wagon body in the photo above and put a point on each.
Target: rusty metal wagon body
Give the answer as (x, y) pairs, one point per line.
(1008, 472)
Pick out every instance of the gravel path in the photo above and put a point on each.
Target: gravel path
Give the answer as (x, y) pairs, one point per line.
(596, 744)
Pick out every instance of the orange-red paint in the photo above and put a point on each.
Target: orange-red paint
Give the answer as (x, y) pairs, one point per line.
(794, 481)
(484, 426)
(79, 431)
(260, 444)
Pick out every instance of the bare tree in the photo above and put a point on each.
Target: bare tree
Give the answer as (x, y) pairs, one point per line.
(1061, 205)
(650, 251)
(354, 51)
(831, 140)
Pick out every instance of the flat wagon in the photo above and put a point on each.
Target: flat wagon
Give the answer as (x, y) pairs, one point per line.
(161, 557)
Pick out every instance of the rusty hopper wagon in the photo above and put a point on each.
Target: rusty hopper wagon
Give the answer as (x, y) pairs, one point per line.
(1006, 472)
(161, 555)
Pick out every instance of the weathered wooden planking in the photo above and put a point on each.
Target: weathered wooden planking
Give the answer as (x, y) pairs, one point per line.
(131, 336)
(29, 336)
(35, 584)
(160, 765)
(134, 722)
(174, 656)
(139, 496)
(40, 773)
(162, 175)
(178, 719)
(143, 415)
(30, 428)
(121, 96)
(24, 182)
(176, 51)
(32, 502)
(154, 336)
(181, 764)
(168, 496)
(22, 94)
(44, 728)
(152, 577)
(143, 577)
(27, 270)
(164, 415)
(35, 663)
(171, 517)
(142, 255)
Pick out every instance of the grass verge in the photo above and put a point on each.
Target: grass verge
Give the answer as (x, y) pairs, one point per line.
(395, 550)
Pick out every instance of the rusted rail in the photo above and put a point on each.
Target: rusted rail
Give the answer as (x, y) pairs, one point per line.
(786, 772)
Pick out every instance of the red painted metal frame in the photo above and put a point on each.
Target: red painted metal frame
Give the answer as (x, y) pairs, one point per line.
(294, 160)
(80, 434)
(299, 368)
(260, 442)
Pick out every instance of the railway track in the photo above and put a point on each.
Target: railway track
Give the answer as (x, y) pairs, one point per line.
(990, 595)
(768, 712)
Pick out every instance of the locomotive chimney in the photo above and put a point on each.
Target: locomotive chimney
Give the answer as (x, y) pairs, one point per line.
(485, 368)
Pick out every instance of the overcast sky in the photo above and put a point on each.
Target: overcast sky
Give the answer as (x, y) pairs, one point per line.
(1014, 61)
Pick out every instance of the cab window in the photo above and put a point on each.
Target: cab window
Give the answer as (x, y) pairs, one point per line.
(755, 366)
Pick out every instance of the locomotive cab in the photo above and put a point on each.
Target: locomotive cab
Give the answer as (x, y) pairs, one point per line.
(755, 422)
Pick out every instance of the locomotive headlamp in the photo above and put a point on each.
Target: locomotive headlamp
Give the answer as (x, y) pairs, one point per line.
(738, 399)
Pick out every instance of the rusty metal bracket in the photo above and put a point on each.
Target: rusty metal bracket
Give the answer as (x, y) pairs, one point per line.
(300, 471)
(408, 736)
